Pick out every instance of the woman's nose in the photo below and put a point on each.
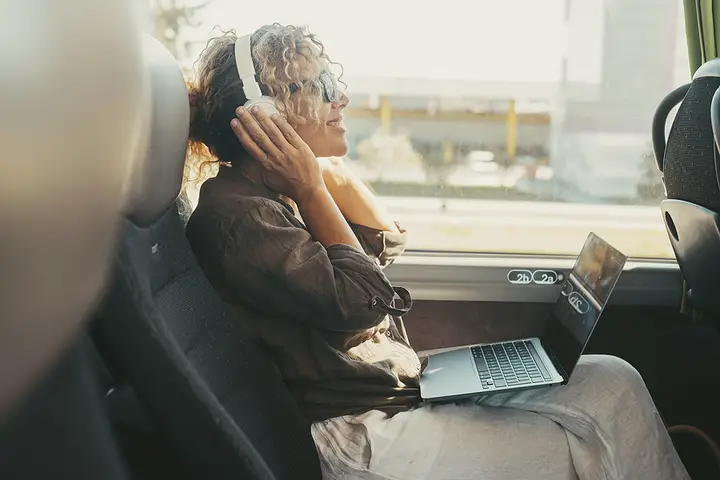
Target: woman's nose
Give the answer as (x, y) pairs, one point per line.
(343, 101)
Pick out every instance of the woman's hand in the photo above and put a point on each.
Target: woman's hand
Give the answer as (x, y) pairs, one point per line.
(290, 167)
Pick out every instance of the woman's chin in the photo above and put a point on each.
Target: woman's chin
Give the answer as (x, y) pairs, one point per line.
(339, 150)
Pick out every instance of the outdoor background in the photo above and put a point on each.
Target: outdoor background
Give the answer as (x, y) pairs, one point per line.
(512, 126)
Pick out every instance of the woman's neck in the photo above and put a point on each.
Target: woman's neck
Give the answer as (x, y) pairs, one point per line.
(253, 172)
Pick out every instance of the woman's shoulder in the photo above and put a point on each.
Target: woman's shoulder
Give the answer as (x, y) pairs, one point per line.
(220, 202)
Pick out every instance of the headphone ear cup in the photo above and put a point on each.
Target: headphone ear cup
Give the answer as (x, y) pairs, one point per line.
(266, 104)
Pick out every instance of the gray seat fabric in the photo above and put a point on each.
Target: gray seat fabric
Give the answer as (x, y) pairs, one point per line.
(164, 328)
(690, 164)
(61, 429)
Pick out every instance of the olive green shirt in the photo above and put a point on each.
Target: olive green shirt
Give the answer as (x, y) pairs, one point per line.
(320, 313)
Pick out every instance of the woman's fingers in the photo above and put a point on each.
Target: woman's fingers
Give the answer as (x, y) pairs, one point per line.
(272, 131)
(257, 135)
(248, 143)
(288, 132)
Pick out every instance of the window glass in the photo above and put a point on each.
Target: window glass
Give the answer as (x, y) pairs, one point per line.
(512, 126)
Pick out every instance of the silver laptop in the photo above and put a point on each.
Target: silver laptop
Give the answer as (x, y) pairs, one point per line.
(533, 362)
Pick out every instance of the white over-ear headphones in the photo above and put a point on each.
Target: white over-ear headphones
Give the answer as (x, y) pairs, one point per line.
(246, 70)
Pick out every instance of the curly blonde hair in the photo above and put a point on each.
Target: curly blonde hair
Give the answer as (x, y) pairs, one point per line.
(284, 57)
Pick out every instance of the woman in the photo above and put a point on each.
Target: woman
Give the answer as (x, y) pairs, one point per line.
(298, 246)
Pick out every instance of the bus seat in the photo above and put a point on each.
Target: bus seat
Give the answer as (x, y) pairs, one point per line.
(162, 326)
(67, 150)
(689, 163)
(68, 146)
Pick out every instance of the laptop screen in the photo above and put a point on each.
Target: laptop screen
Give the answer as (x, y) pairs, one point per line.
(583, 297)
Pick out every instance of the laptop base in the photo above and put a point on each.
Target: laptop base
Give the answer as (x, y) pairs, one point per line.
(486, 369)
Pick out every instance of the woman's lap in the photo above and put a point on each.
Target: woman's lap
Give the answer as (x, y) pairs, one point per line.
(450, 441)
(603, 424)
(613, 427)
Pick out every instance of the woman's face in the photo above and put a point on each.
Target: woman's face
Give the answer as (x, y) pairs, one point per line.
(326, 136)
(328, 139)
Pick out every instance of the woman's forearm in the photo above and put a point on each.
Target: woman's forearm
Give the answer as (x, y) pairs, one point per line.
(324, 219)
(355, 200)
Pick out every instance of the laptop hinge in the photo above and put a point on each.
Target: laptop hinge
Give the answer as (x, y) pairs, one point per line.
(556, 363)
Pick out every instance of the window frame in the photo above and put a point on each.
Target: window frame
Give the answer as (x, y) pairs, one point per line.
(484, 278)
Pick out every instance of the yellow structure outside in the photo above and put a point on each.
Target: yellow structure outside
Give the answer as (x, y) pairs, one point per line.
(385, 114)
(511, 123)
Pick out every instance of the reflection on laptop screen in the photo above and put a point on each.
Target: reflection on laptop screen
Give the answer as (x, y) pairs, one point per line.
(584, 295)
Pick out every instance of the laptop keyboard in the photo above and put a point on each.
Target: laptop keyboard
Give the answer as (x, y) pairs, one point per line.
(509, 364)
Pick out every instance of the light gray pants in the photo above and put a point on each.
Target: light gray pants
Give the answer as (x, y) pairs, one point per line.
(602, 425)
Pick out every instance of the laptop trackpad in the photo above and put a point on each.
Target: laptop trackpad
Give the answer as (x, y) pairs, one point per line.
(450, 374)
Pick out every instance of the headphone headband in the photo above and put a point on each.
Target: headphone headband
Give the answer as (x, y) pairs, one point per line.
(246, 68)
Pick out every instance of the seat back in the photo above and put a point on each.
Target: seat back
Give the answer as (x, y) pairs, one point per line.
(690, 166)
(67, 148)
(71, 111)
(163, 326)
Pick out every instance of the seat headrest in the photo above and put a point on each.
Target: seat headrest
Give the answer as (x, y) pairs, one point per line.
(72, 91)
(689, 166)
(711, 68)
(156, 185)
(715, 122)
